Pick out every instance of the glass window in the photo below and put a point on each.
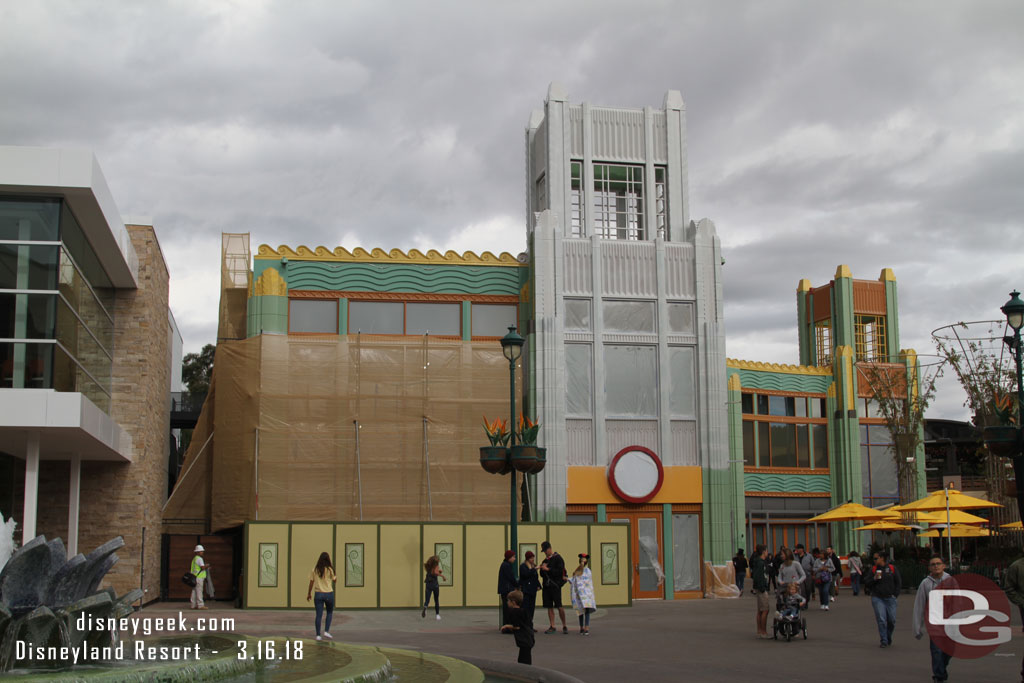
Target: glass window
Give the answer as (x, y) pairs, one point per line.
(782, 406)
(436, 319)
(77, 293)
(540, 196)
(823, 341)
(865, 471)
(748, 404)
(41, 272)
(619, 201)
(576, 198)
(878, 434)
(681, 372)
(869, 337)
(686, 564)
(801, 406)
(749, 454)
(783, 445)
(29, 219)
(577, 315)
(82, 252)
(579, 381)
(817, 407)
(82, 346)
(660, 202)
(883, 473)
(34, 371)
(316, 316)
(631, 381)
(819, 434)
(629, 316)
(680, 318)
(764, 445)
(27, 316)
(803, 447)
(493, 320)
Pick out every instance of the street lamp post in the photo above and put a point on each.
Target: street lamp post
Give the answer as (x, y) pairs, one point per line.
(1014, 312)
(512, 348)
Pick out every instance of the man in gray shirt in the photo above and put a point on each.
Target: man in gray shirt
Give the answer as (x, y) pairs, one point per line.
(936, 575)
(807, 563)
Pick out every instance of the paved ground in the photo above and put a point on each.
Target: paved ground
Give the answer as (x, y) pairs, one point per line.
(697, 640)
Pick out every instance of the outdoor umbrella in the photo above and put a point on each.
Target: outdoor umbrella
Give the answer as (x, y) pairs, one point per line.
(851, 512)
(1013, 525)
(955, 517)
(948, 500)
(883, 526)
(956, 531)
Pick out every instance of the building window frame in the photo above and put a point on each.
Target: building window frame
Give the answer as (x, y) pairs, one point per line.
(803, 430)
(869, 336)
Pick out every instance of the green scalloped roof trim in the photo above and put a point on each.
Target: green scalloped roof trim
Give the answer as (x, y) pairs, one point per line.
(787, 483)
(395, 277)
(782, 381)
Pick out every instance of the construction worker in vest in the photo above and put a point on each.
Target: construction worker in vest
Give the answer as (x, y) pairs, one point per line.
(199, 567)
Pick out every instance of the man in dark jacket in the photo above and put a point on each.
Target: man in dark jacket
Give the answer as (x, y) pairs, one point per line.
(807, 564)
(884, 583)
(552, 578)
(837, 575)
(507, 583)
(759, 575)
(739, 563)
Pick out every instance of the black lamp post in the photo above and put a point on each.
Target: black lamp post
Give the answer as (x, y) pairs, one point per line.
(1014, 312)
(512, 347)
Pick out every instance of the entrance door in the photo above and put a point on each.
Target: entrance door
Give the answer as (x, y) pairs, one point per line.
(648, 570)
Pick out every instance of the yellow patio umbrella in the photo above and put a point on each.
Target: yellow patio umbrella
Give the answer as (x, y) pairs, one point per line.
(884, 525)
(955, 517)
(851, 512)
(957, 531)
(948, 500)
(1013, 525)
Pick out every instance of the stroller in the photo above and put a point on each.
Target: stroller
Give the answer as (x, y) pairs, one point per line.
(785, 625)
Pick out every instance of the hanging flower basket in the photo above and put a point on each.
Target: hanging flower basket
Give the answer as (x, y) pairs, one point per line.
(542, 460)
(1002, 440)
(528, 458)
(496, 459)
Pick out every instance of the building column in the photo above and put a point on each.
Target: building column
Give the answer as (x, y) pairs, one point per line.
(28, 517)
(74, 488)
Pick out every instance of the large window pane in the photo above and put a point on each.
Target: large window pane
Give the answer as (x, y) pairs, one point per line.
(878, 434)
(749, 455)
(865, 470)
(783, 445)
(680, 318)
(683, 390)
(783, 406)
(76, 291)
(619, 201)
(819, 434)
(883, 472)
(629, 316)
(803, 447)
(686, 566)
(77, 341)
(579, 381)
(764, 443)
(748, 404)
(311, 315)
(27, 316)
(26, 366)
(39, 271)
(493, 320)
(631, 381)
(29, 219)
(577, 315)
(440, 319)
(84, 256)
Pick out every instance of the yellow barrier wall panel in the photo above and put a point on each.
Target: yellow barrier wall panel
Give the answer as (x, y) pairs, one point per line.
(269, 569)
(534, 535)
(400, 565)
(612, 565)
(569, 540)
(308, 541)
(356, 567)
(444, 534)
(485, 548)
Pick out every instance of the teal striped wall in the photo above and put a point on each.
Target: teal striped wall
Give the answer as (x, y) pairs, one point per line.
(790, 483)
(782, 381)
(391, 277)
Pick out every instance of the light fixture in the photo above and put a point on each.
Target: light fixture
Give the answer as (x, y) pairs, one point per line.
(1014, 311)
(512, 343)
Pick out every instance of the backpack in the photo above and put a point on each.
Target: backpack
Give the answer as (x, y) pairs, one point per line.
(824, 576)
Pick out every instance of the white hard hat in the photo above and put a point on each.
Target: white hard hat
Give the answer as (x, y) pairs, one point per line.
(199, 549)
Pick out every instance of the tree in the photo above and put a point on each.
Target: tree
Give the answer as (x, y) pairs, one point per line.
(197, 369)
(902, 395)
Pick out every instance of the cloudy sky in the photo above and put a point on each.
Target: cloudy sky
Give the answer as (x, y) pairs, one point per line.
(875, 134)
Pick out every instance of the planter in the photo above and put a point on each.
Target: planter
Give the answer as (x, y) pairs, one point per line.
(495, 459)
(524, 458)
(1002, 441)
(542, 460)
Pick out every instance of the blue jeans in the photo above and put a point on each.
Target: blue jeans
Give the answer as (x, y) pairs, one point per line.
(321, 600)
(823, 596)
(940, 660)
(739, 582)
(885, 615)
(432, 589)
(855, 583)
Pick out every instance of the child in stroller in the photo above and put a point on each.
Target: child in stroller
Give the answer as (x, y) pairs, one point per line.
(788, 622)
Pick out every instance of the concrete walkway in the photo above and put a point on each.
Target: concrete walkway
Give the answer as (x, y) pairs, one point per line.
(697, 640)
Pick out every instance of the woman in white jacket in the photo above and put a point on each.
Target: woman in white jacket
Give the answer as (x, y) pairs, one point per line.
(582, 590)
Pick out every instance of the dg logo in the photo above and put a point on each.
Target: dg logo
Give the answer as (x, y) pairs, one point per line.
(968, 616)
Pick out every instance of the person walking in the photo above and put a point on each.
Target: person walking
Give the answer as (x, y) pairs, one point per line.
(739, 563)
(823, 571)
(807, 563)
(552, 574)
(774, 563)
(432, 567)
(883, 582)
(936, 575)
(837, 573)
(507, 583)
(1013, 582)
(792, 573)
(322, 579)
(759, 577)
(198, 569)
(856, 566)
(529, 583)
(519, 626)
(581, 591)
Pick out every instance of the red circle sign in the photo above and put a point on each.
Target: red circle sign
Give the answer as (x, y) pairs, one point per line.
(968, 616)
(635, 474)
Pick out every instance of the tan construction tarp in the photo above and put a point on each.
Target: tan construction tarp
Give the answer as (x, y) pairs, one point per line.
(285, 410)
